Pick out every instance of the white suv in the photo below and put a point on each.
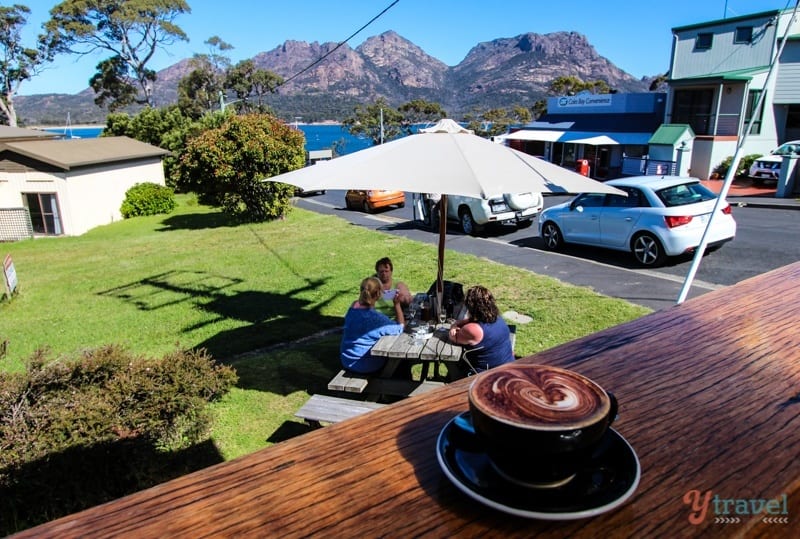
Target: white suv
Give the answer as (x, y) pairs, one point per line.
(475, 213)
(768, 167)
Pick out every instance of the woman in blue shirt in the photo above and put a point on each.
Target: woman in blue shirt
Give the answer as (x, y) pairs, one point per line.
(484, 334)
(363, 326)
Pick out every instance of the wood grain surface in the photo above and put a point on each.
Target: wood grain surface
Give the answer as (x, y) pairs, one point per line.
(708, 393)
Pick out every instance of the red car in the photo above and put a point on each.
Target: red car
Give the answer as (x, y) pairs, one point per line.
(373, 199)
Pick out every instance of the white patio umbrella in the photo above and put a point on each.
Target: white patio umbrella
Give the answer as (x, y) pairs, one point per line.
(446, 159)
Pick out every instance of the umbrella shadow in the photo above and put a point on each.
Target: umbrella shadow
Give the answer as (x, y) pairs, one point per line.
(260, 319)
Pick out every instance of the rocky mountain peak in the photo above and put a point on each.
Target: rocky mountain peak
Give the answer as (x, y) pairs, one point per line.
(329, 79)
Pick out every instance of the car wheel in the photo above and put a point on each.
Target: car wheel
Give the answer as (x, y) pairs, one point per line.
(367, 208)
(525, 224)
(401, 205)
(467, 222)
(551, 235)
(648, 250)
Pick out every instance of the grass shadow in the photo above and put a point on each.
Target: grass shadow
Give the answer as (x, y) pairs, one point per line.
(198, 221)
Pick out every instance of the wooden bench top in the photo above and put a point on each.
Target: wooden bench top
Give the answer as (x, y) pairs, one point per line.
(709, 399)
(434, 348)
(329, 409)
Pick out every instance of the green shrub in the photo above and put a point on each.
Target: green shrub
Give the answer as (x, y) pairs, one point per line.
(742, 170)
(79, 432)
(148, 199)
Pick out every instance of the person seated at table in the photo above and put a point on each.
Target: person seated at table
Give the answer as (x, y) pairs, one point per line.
(483, 334)
(363, 326)
(390, 289)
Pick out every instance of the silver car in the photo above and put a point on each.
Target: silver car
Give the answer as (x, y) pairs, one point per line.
(662, 216)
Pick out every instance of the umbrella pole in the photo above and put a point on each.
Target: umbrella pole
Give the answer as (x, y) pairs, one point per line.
(442, 236)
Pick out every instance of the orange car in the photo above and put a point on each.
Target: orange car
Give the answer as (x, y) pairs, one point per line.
(371, 200)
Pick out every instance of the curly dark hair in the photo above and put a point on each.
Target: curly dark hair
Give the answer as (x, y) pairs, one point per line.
(481, 305)
(384, 261)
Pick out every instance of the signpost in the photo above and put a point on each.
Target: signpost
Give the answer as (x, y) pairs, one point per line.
(10, 275)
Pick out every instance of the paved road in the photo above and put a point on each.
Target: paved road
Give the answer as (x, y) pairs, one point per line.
(766, 239)
(650, 288)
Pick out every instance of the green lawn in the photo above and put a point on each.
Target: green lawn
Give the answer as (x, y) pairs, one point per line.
(251, 295)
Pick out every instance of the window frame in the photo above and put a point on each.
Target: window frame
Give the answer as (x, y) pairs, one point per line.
(47, 222)
(700, 41)
(753, 96)
(737, 34)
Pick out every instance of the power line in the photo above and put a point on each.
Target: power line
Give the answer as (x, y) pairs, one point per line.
(351, 36)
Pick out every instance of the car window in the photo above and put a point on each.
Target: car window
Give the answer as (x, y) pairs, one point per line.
(787, 149)
(590, 200)
(685, 193)
(633, 200)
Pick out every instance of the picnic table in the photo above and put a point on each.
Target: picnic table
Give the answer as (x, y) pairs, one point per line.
(430, 351)
(709, 401)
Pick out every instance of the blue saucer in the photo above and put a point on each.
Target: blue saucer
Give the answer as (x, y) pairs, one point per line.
(604, 483)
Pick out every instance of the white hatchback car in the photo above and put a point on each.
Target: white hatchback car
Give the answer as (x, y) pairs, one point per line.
(475, 213)
(661, 216)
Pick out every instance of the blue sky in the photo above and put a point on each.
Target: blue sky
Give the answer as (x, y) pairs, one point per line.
(633, 34)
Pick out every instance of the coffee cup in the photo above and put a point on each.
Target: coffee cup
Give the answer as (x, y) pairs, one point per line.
(539, 424)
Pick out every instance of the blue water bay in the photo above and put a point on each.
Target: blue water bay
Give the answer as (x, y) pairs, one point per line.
(318, 137)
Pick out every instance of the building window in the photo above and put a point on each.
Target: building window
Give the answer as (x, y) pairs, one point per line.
(694, 107)
(751, 112)
(45, 217)
(703, 42)
(793, 117)
(744, 34)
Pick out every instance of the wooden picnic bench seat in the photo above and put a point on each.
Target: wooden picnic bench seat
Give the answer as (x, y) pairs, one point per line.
(350, 382)
(327, 409)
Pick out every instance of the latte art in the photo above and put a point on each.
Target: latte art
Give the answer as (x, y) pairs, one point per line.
(539, 396)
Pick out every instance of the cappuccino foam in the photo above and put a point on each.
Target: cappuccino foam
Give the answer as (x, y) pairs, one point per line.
(539, 396)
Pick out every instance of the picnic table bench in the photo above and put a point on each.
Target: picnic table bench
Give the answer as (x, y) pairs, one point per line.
(709, 400)
(328, 409)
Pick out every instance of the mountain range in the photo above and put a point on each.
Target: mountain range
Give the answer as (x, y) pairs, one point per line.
(498, 73)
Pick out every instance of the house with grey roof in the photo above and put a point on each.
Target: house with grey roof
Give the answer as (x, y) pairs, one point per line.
(63, 187)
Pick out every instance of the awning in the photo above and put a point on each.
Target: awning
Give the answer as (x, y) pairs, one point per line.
(600, 140)
(592, 138)
(605, 139)
(532, 134)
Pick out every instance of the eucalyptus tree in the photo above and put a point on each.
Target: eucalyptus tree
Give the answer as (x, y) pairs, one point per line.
(18, 63)
(130, 30)
(251, 85)
(490, 122)
(419, 111)
(200, 90)
(377, 121)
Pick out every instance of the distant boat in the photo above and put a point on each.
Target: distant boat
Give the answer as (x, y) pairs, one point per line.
(68, 129)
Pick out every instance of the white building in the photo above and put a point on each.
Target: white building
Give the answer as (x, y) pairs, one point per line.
(53, 187)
